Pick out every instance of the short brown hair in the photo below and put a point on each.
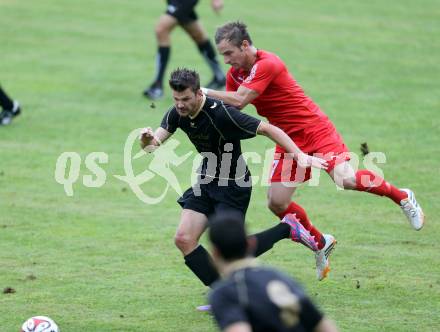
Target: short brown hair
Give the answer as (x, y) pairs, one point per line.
(234, 32)
(183, 78)
(228, 234)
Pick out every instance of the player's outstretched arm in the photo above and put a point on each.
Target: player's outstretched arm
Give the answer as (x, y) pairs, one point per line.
(283, 140)
(150, 139)
(239, 99)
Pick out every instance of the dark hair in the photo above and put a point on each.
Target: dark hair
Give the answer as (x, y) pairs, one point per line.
(233, 32)
(183, 78)
(228, 234)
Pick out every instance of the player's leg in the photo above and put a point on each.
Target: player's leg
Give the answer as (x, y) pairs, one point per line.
(280, 203)
(196, 31)
(365, 180)
(301, 229)
(163, 30)
(10, 108)
(193, 223)
(5, 101)
(191, 227)
(279, 195)
(289, 227)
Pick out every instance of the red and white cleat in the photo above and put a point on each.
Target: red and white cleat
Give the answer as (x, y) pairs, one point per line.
(412, 210)
(322, 257)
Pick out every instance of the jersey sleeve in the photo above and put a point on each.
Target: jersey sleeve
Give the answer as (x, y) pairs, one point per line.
(237, 125)
(261, 75)
(226, 308)
(310, 315)
(170, 121)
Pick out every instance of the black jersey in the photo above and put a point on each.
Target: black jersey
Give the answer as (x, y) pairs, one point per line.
(216, 133)
(265, 298)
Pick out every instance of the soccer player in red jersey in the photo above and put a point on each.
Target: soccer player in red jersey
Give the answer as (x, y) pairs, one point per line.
(261, 78)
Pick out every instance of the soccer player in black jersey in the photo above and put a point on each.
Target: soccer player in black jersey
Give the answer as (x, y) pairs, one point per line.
(252, 297)
(182, 13)
(224, 183)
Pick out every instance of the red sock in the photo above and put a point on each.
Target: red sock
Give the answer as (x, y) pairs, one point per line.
(372, 183)
(304, 220)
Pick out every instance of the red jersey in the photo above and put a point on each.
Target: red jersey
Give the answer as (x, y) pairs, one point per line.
(281, 100)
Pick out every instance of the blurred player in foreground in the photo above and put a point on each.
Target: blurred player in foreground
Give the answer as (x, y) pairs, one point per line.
(252, 297)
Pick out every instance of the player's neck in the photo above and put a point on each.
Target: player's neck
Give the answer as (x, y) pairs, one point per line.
(198, 108)
(226, 268)
(252, 58)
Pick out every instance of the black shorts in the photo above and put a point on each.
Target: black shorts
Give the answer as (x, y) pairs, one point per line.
(182, 10)
(215, 199)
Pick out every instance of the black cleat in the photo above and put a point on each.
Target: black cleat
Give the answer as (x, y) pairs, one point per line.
(154, 92)
(6, 116)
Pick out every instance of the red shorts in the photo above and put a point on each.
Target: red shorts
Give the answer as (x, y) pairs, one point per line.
(323, 142)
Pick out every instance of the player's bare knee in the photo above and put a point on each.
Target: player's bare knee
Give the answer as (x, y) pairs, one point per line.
(184, 242)
(344, 176)
(162, 32)
(276, 206)
(349, 183)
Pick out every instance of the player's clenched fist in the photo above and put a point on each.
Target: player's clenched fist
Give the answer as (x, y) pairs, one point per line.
(146, 136)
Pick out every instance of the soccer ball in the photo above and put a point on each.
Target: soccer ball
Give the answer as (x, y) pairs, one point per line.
(39, 324)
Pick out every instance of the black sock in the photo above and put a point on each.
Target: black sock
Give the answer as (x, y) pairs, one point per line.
(200, 263)
(267, 238)
(5, 102)
(163, 54)
(210, 57)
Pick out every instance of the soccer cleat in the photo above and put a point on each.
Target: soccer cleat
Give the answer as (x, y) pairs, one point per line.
(153, 92)
(321, 256)
(216, 84)
(204, 308)
(6, 116)
(298, 233)
(412, 210)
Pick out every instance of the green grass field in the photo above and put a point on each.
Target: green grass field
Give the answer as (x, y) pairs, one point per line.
(102, 260)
